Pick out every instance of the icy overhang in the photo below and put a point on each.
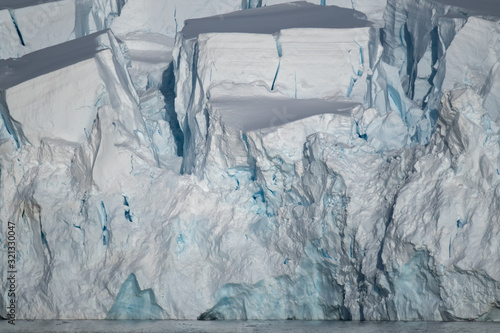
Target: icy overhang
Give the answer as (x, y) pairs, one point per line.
(272, 19)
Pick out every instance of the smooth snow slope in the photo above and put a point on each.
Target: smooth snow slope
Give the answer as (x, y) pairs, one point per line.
(365, 188)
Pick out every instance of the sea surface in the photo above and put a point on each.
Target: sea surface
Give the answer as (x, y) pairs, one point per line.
(290, 326)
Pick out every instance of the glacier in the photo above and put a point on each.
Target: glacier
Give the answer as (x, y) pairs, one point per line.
(311, 160)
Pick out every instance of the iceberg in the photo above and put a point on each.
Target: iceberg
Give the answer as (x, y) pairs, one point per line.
(133, 303)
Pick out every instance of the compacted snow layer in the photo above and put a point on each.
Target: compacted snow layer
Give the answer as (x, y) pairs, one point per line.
(240, 181)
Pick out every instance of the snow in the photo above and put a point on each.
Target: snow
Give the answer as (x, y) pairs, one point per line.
(16, 71)
(45, 113)
(150, 55)
(284, 162)
(45, 24)
(347, 48)
(38, 24)
(238, 121)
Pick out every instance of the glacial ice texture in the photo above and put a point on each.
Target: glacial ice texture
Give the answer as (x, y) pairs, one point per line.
(267, 162)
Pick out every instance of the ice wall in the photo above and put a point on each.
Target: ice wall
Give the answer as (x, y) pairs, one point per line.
(382, 269)
(87, 137)
(417, 40)
(482, 63)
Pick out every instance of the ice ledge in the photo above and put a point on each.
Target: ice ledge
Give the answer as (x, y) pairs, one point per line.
(132, 303)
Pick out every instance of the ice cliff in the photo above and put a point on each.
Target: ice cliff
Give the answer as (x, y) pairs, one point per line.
(277, 160)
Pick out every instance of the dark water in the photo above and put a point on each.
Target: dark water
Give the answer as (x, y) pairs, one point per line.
(245, 326)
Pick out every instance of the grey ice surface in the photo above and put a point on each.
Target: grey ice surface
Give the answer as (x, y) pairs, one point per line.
(249, 114)
(476, 7)
(271, 19)
(16, 4)
(18, 70)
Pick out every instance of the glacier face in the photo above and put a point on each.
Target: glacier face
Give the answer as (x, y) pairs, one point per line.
(270, 163)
